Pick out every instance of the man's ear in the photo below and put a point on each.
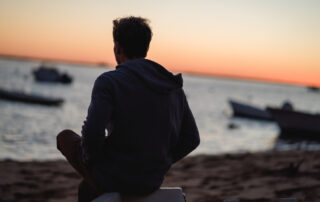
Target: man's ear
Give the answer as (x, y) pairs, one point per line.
(117, 49)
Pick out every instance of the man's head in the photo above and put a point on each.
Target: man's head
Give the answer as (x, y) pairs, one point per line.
(131, 36)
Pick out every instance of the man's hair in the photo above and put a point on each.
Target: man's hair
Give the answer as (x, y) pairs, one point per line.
(133, 34)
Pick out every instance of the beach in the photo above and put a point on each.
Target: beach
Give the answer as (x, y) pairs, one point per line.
(263, 176)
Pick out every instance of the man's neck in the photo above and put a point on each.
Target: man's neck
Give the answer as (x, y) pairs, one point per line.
(125, 59)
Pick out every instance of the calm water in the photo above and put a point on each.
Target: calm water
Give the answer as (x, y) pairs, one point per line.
(28, 131)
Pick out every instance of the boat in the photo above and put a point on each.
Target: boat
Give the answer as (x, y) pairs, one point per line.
(313, 88)
(51, 74)
(29, 98)
(296, 123)
(249, 111)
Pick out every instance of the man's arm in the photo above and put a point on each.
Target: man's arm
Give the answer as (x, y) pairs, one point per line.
(189, 137)
(99, 115)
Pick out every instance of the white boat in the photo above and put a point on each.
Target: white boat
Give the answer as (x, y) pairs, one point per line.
(249, 111)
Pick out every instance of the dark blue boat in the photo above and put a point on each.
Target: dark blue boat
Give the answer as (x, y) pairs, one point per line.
(29, 98)
(51, 74)
(295, 123)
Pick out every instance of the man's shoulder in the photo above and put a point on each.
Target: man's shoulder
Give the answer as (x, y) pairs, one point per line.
(108, 76)
(112, 78)
(103, 80)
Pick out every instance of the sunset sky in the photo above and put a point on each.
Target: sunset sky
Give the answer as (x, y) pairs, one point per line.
(265, 39)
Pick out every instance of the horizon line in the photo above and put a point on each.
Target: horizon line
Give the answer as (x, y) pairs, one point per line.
(209, 74)
(28, 57)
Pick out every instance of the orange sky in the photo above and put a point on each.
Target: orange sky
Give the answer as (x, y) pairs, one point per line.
(266, 39)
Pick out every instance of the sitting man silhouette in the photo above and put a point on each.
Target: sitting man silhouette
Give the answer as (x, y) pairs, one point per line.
(145, 111)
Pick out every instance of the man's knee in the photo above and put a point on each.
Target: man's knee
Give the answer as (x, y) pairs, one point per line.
(86, 192)
(62, 137)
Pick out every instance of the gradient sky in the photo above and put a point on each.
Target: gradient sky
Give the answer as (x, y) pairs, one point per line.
(265, 39)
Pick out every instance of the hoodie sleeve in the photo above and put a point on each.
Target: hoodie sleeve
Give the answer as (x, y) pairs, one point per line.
(189, 137)
(99, 115)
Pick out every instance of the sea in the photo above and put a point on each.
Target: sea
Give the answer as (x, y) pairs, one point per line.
(28, 131)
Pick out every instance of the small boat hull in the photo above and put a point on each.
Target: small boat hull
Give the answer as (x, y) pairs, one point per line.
(29, 98)
(296, 124)
(248, 111)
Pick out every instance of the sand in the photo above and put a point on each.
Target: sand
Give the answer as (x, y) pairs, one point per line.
(249, 177)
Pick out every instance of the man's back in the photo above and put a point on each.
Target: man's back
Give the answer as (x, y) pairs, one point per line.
(149, 122)
(147, 115)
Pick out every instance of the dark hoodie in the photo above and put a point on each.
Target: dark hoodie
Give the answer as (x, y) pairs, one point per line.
(149, 123)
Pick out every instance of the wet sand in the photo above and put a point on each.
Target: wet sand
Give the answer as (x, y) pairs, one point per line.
(249, 177)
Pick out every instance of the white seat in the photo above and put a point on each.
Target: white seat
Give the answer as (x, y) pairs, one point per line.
(164, 194)
(280, 200)
(287, 200)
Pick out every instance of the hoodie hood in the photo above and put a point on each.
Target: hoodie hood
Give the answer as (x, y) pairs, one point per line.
(153, 75)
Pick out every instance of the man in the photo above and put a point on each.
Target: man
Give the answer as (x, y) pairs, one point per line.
(144, 108)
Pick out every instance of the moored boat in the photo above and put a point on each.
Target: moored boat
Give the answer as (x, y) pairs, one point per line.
(51, 74)
(295, 123)
(313, 88)
(29, 98)
(249, 111)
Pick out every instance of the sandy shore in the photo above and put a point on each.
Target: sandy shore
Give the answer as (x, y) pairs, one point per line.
(249, 177)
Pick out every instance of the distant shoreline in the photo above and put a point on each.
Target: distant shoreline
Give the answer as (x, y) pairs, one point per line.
(263, 176)
(18, 57)
(204, 74)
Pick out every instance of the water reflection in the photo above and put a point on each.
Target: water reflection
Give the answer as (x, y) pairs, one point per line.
(283, 142)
